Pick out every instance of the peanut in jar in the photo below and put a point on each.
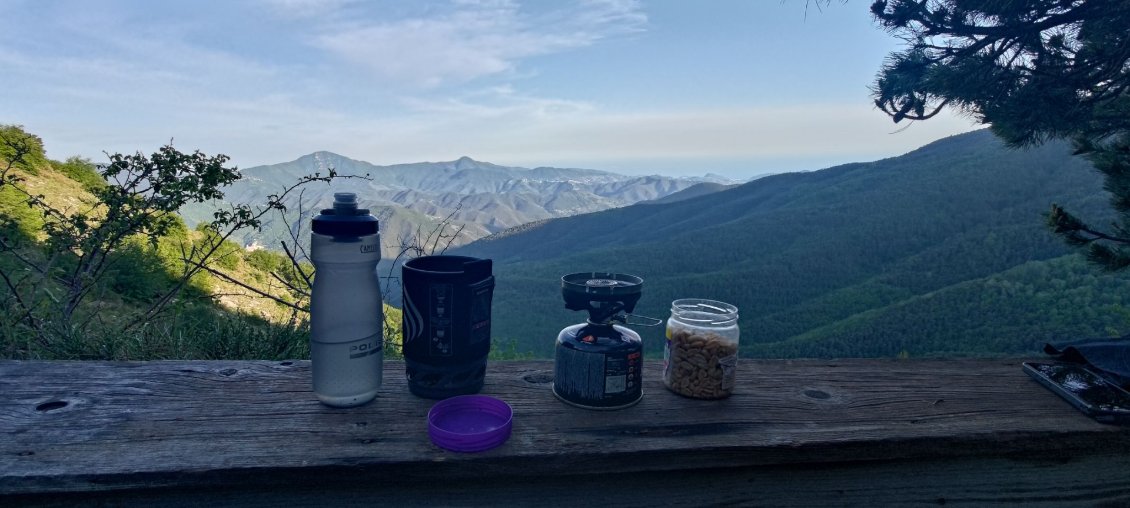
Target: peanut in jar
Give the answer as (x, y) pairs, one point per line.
(701, 355)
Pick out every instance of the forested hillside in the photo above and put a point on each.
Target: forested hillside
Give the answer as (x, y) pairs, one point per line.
(1015, 311)
(841, 262)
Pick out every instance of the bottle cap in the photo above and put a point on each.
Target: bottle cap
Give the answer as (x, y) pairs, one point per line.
(470, 423)
(345, 219)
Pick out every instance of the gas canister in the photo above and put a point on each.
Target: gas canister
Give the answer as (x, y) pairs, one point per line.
(598, 363)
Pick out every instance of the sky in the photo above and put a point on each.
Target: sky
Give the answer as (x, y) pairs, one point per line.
(735, 88)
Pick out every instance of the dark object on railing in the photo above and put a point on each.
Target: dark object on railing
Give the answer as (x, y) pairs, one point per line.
(1085, 389)
(1110, 356)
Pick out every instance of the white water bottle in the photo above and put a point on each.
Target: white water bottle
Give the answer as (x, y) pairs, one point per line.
(346, 315)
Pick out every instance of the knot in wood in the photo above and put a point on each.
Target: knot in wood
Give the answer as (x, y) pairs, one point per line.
(538, 378)
(51, 406)
(817, 394)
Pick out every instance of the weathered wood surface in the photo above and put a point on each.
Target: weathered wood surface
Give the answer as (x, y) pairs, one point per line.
(803, 432)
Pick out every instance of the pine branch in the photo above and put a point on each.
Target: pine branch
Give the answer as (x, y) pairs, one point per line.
(1075, 231)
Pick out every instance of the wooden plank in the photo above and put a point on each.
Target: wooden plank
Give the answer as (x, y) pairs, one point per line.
(96, 426)
(1084, 481)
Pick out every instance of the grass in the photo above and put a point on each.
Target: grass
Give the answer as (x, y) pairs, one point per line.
(189, 332)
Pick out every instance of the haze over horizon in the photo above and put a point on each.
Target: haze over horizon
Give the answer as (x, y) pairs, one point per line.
(737, 89)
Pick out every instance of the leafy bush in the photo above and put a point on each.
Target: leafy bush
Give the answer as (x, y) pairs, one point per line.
(21, 150)
(82, 171)
(138, 273)
(265, 260)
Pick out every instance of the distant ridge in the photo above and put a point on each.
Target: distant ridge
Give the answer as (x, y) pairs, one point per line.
(469, 199)
(694, 191)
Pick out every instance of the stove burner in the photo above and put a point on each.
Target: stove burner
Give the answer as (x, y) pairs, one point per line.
(596, 283)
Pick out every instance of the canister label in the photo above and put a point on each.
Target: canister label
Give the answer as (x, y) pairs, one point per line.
(604, 380)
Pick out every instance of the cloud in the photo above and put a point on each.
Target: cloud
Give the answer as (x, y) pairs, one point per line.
(505, 123)
(473, 39)
(841, 131)
(495, 103)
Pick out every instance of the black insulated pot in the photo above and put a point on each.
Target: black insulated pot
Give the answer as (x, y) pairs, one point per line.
(446, 324)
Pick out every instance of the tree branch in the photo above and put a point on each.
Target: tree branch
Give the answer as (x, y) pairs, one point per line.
(255, 290)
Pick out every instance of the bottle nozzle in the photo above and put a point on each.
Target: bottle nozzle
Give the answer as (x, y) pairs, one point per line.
(345, 202)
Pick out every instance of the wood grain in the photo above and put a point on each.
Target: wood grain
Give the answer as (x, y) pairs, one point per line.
(243, 430)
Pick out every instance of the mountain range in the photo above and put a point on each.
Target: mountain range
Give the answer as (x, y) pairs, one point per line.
(469, 199)
(939, 251)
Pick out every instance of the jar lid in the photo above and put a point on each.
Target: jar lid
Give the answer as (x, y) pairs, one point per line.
(470, 423)
(704, 312)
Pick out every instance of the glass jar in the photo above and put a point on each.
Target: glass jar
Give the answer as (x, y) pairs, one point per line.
(700, 358)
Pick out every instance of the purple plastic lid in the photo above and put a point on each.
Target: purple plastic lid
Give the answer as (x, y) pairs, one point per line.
(470, 423)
